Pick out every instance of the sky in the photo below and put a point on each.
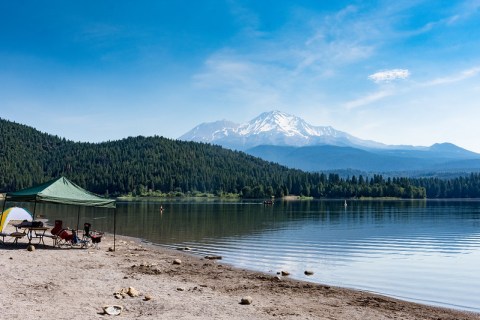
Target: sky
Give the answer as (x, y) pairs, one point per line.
(396, 72)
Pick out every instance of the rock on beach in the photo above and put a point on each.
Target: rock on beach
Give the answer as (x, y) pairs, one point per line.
(246, 300)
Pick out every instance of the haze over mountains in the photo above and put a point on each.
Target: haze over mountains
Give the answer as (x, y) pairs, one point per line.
(291, 141)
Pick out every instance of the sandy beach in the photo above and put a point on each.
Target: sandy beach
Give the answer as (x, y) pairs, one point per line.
(74, 283)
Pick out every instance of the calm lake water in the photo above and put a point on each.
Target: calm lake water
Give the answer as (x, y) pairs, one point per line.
(423, 251)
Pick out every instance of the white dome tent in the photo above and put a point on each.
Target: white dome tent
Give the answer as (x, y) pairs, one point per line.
(15, 214)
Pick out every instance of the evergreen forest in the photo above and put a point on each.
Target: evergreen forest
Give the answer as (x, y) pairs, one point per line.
(156, 165)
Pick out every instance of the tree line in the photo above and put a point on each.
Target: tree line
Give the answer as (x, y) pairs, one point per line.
(142, 165)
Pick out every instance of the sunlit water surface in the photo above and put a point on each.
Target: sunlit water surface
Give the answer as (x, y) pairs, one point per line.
(423, 251)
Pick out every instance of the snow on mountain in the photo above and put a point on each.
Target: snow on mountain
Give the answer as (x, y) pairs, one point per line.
(209, 132)
(282, 123)
(272, 128)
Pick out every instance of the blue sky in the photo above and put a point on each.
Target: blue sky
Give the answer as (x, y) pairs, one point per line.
(397, 72)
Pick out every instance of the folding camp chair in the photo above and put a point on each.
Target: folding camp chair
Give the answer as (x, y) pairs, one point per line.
(91, 238)
(60, 235)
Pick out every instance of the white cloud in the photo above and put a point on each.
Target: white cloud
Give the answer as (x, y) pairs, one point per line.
(389, 75)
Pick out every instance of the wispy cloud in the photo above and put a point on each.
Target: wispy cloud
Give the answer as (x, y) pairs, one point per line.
(336, 40)
(463, 75)
(389, 75)
(310, 48)
(373, 97)
(239, 81)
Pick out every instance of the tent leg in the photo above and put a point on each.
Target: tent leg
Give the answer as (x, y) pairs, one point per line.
(4, 203)
(114, 227)
(34, 208)
(78, 218)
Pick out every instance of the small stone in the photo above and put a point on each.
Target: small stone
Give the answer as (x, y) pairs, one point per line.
(110, 249)
(147, 297)
(31, 247)
(277, 278)
(285, 273)
(117, 295)
(132, 292)
(11, 258)
(246, 300)
(180, 289)
(308, 273)
(177, 261)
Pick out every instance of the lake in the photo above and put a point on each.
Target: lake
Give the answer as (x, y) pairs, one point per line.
(422, 251)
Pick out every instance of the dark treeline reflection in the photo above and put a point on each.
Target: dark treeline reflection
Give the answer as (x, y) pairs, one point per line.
(183, 221)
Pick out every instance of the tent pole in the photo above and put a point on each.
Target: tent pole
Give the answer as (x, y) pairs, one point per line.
(114, 226)
(34, 208)
(78, 218)
(4, 203)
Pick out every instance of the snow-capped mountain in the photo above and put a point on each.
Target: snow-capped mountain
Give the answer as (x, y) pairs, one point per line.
(273, 128)
(289, 140)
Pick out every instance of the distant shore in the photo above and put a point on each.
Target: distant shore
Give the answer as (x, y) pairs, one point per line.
(50, 282)
(238, 197)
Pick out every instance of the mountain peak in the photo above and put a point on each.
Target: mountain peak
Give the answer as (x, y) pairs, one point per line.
(270, 128)
(274, 121)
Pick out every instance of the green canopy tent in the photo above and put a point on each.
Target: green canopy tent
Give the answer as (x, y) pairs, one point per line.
(62, 191)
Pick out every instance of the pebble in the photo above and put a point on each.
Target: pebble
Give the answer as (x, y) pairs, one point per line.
(246, 300)
(285, 273)
(147, 297)
(308, 273)
(177, 261)
(31, 248)
(132, 292)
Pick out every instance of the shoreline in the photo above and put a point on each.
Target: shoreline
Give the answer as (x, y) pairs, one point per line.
(51, 281)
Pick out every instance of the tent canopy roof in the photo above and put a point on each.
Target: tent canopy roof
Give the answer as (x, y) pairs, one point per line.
(63, 191)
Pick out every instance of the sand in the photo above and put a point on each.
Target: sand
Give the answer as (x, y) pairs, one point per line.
(74, 283)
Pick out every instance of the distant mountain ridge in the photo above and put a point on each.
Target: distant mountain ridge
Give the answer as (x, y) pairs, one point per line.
(153, 166)
(291, 141)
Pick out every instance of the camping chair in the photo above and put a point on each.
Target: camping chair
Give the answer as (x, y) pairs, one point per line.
(60, 235)
(65, 237)
(91, 237)
(55, 231)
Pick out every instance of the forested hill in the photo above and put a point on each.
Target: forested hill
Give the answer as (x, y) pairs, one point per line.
(137, 165)
(132, 164)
